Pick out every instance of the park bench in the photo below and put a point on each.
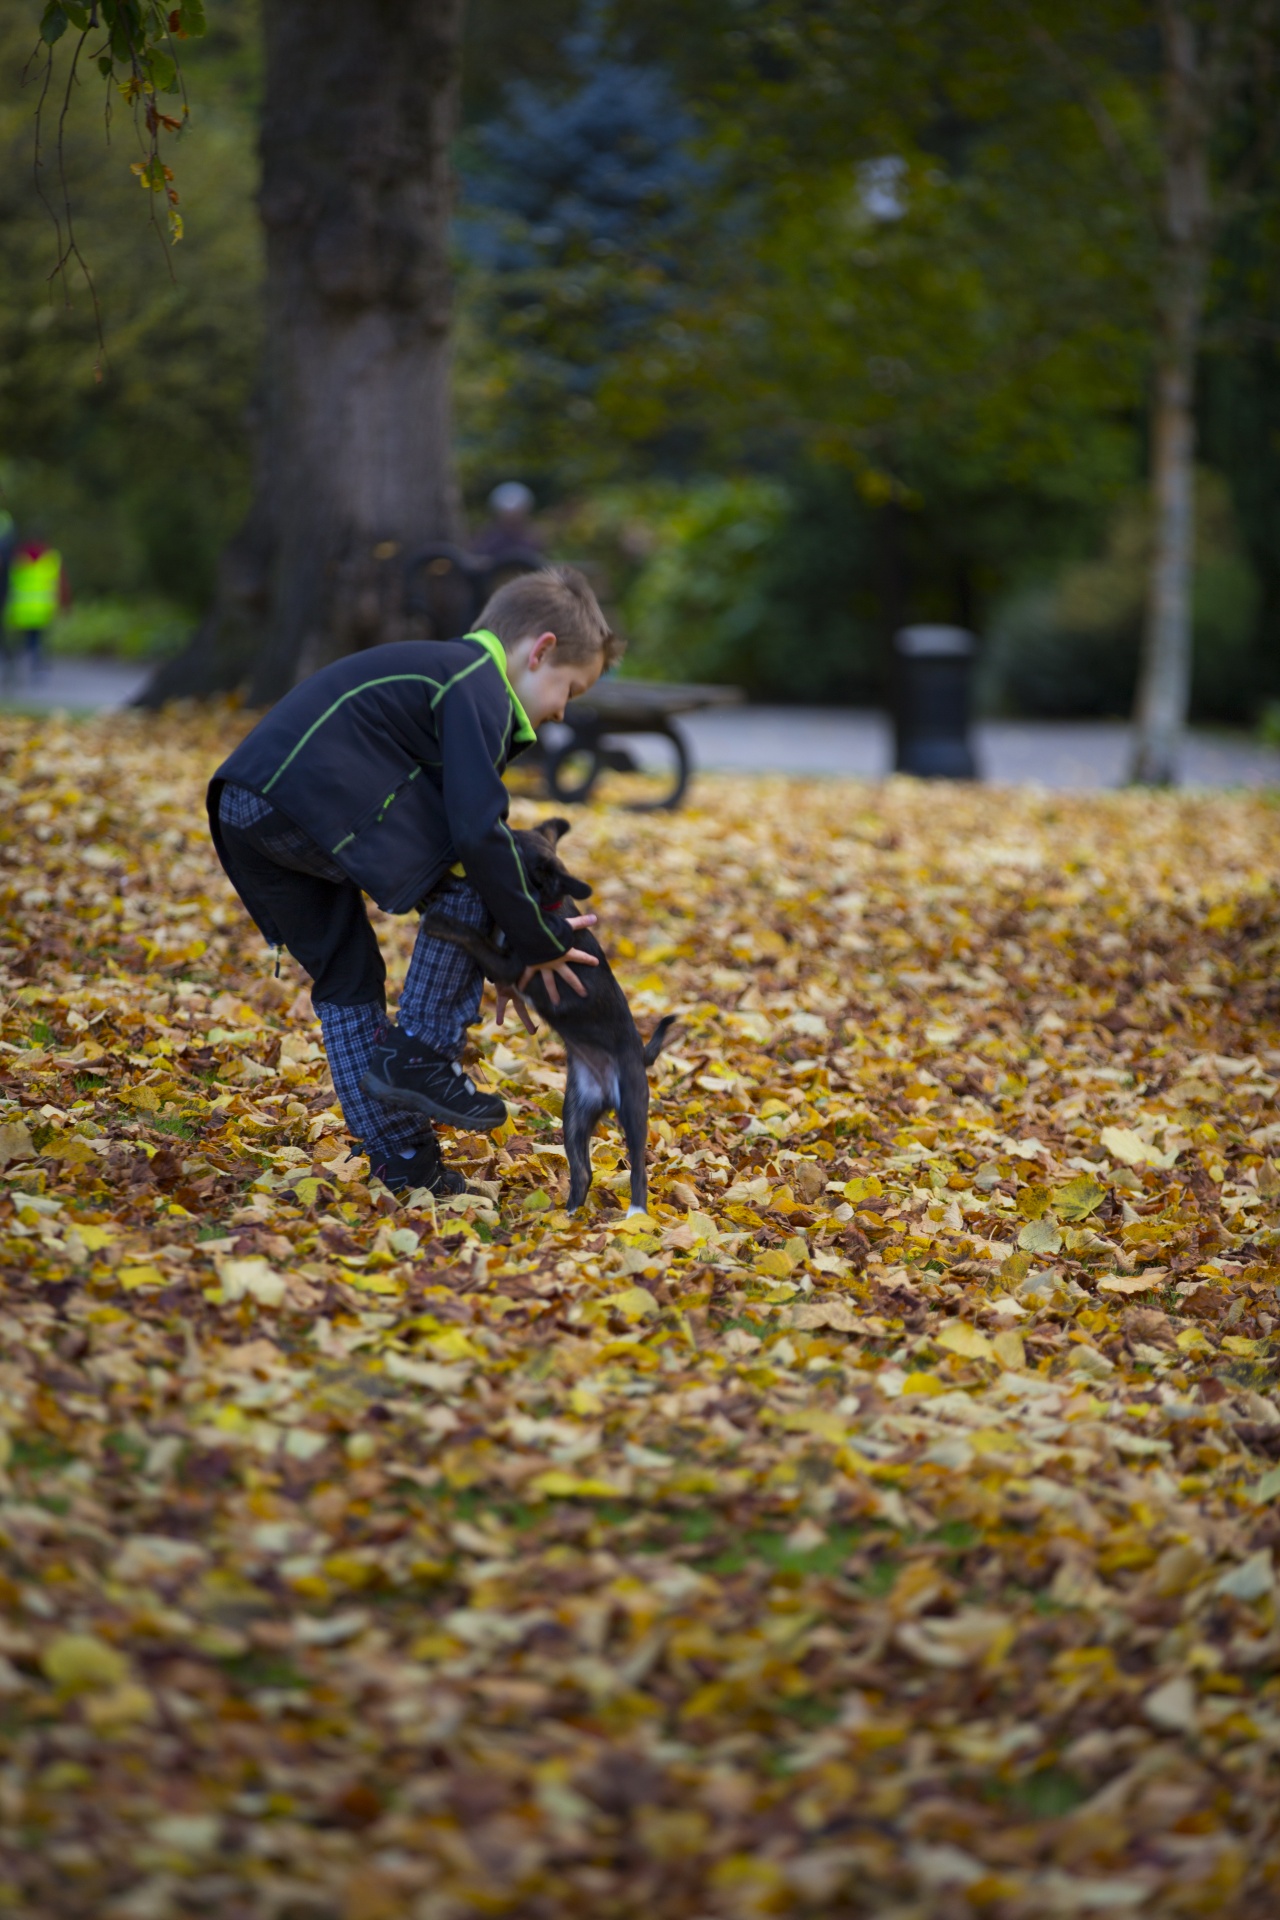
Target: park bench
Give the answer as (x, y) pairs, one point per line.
(446, 588)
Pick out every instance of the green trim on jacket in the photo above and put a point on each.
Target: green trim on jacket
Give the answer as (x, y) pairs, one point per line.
(525, 733)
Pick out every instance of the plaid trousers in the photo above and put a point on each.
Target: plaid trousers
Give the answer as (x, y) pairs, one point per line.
(439, 1001)
(441, 994)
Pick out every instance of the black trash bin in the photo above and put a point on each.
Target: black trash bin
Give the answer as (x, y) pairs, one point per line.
(932, 670)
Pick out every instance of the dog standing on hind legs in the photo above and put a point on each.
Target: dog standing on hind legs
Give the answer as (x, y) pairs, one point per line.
(608, 1061)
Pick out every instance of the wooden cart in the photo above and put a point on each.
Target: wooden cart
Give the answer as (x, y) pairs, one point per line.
(590, 741)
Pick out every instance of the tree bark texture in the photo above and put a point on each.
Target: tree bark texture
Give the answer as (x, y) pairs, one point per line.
(355, 460)
(1164, 681)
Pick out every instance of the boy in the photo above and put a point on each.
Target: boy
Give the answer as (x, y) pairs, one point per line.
(382, 774)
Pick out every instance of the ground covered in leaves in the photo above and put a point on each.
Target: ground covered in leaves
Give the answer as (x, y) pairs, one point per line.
(882, 1527)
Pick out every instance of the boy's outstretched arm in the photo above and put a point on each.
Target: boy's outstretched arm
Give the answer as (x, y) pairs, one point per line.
(473, 723)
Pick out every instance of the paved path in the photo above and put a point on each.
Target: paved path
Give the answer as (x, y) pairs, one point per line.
(809, 740)
(78, 686)
(1050, 753)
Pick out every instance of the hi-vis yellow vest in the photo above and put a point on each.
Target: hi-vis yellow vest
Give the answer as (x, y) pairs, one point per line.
(33, 591)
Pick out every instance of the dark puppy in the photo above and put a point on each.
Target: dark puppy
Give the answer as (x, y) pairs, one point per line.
(607, 1058)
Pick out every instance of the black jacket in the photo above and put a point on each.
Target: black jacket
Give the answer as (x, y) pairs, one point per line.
(392, 761)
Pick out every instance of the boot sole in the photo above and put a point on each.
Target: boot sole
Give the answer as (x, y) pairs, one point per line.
(441, 1192)
(421, 1103)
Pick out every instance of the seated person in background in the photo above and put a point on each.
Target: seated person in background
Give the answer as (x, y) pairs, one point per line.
(510, 529)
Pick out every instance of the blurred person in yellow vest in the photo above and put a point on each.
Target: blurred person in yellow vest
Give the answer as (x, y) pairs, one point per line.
(37, 592)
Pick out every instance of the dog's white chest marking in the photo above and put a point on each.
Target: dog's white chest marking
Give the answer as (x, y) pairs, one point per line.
(595, 1082)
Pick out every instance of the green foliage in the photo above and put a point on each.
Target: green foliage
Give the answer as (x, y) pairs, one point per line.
(755, 581)
(135, 464)
(122, 629)
(890, 317)
(135, 51)
(1070, 646)
(701, 603)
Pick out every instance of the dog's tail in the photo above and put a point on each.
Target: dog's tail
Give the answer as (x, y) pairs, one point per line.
(658, 1038)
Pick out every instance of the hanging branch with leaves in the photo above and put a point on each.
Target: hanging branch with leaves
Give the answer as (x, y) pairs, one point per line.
(136, 52)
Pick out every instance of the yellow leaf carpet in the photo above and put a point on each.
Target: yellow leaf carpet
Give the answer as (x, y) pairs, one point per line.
(884, 1526)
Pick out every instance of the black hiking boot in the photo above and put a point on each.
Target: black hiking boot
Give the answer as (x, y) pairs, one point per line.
(424, 1169)
(405, 1073)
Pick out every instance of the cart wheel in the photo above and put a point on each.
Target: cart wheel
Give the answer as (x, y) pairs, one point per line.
(572, 771)
(679, 774)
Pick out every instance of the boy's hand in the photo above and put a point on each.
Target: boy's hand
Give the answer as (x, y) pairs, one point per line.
(563, 968)
(551, 968)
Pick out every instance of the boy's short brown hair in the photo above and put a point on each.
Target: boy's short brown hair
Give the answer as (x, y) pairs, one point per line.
(555, 600)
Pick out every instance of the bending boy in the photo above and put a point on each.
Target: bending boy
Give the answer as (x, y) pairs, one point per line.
(382, 774)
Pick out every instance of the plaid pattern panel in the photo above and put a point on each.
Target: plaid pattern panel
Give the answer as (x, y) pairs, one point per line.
(441, 994)
(348, 1042)
(237, 807)
(275, 835)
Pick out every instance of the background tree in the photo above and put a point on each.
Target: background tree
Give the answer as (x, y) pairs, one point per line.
(1203, 154)
(353, 440)
(354, 443)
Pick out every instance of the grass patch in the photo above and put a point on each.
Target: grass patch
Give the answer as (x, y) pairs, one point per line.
(126, 1447)
(771, 1547)
(1049, 1794)
(40, 1455)
(260, 1668)
(809, 1711)
(958, 1536)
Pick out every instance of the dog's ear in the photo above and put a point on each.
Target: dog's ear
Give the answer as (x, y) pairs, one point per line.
(553, 830)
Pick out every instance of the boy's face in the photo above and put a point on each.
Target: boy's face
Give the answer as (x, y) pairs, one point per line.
(543, 688)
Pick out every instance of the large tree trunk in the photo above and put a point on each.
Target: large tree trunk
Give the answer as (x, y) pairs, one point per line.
(354, 463)
(1164, 684)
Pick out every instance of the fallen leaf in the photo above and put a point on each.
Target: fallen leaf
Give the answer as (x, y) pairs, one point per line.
(1122, 1143)
(81, 1663)
(556, 1484)
(1041, 1236)
(252, 1279)
(144, 1276)
(1009, 1349)
(1251, 1580)
(15, 1142)
(1126, 1282)
(958, 1640)
(150, 1556)
(838, 1315)
(1078, 1198)
(965, 1340)
(635, 1303)
(1173, 1707)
